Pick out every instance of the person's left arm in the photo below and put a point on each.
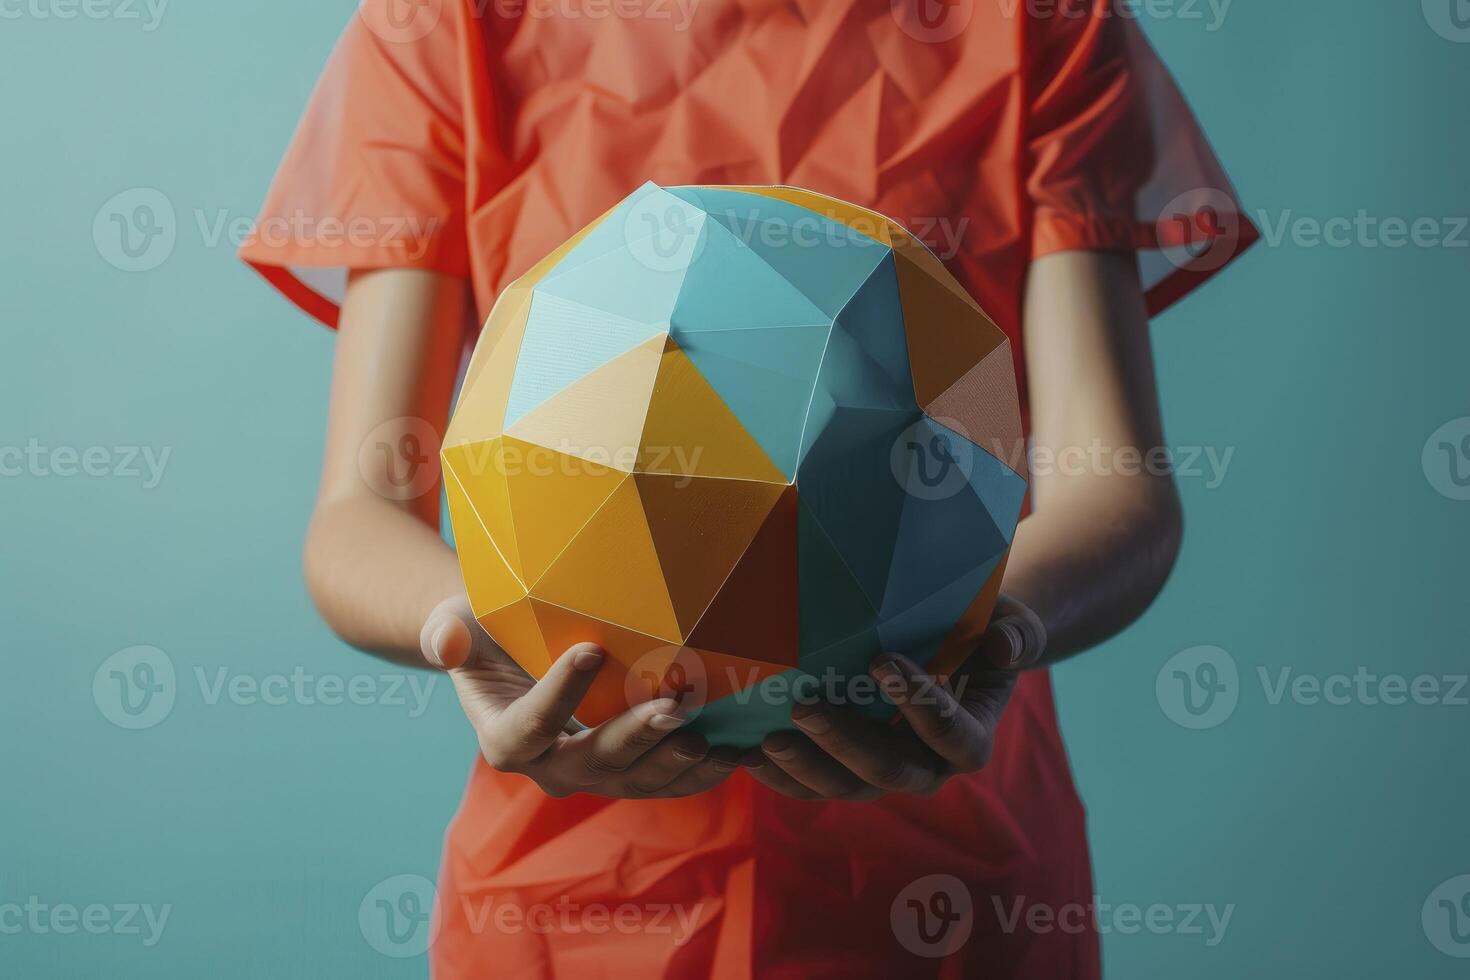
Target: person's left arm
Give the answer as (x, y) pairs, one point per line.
(1094, 552)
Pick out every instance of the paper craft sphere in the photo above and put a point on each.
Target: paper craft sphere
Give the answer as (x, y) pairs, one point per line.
(745, 439)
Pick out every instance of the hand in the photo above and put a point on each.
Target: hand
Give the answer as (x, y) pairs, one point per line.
(523, 724)
(946, 728)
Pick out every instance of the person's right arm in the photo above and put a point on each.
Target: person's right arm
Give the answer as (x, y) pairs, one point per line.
(387, 583)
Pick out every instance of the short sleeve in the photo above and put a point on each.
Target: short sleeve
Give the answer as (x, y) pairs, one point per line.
(1115, 158)
(375, 174)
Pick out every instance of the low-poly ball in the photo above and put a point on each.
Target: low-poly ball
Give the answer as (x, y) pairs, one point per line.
(746, 439)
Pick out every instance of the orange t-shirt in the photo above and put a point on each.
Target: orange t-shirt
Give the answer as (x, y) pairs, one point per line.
(474, 136)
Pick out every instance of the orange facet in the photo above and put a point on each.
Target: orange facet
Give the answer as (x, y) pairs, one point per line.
(690, 430)
(611, 571)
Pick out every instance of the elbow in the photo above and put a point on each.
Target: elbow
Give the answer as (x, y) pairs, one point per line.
(1160, 528)
(320, 567)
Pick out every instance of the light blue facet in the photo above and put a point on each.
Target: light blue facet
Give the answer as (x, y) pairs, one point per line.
(730, 286)
(873, 321)
(565, 341)
(639, 281)
(765, 377)
(825, 259)
(624, 223)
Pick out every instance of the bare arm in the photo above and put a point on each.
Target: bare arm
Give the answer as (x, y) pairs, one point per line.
(376, 566)
(1105, 529)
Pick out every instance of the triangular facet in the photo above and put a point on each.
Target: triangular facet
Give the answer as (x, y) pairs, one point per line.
(947, 333)
(611, 571)
(766, 377)
(565, 340)
(754, 615)
(479, 469)
(983, 407)
(833, 605)
(489, 581)
(600, 416)
(701, 528)
(552, 496)
(690, 431)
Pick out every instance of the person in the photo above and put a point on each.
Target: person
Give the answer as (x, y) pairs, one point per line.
(1048, 159)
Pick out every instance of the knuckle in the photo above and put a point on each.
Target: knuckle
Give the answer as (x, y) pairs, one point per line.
(893, 774)
(946, 723)
(594, 768)
(643, 738)
(534, 725)
(642, 789)
(976, 755)
(554, 789)
(496, 756)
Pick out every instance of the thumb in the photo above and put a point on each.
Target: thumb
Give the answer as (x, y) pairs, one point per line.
(1015, 639)
(446, 640)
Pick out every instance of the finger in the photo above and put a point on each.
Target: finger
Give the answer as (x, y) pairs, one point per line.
(446, 640)
(799, 758)
(713, 770)
(607, 751)
(1016, 637)
(934, 714)
(875, 753)
(664, 763)
(774, 777)
(533, 722)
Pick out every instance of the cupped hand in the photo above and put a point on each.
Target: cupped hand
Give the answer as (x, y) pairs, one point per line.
(947, 727)
(525, 725)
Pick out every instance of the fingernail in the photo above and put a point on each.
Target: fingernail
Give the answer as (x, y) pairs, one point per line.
(891, 679)
(817, 722)
(588, 658)
(1018, 641)
(723, 766)
(436, 643)
(664, 715)
(779, 748)
(688, 755)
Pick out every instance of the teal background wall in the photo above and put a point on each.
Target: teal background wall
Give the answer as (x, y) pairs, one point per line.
(1333, 545)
